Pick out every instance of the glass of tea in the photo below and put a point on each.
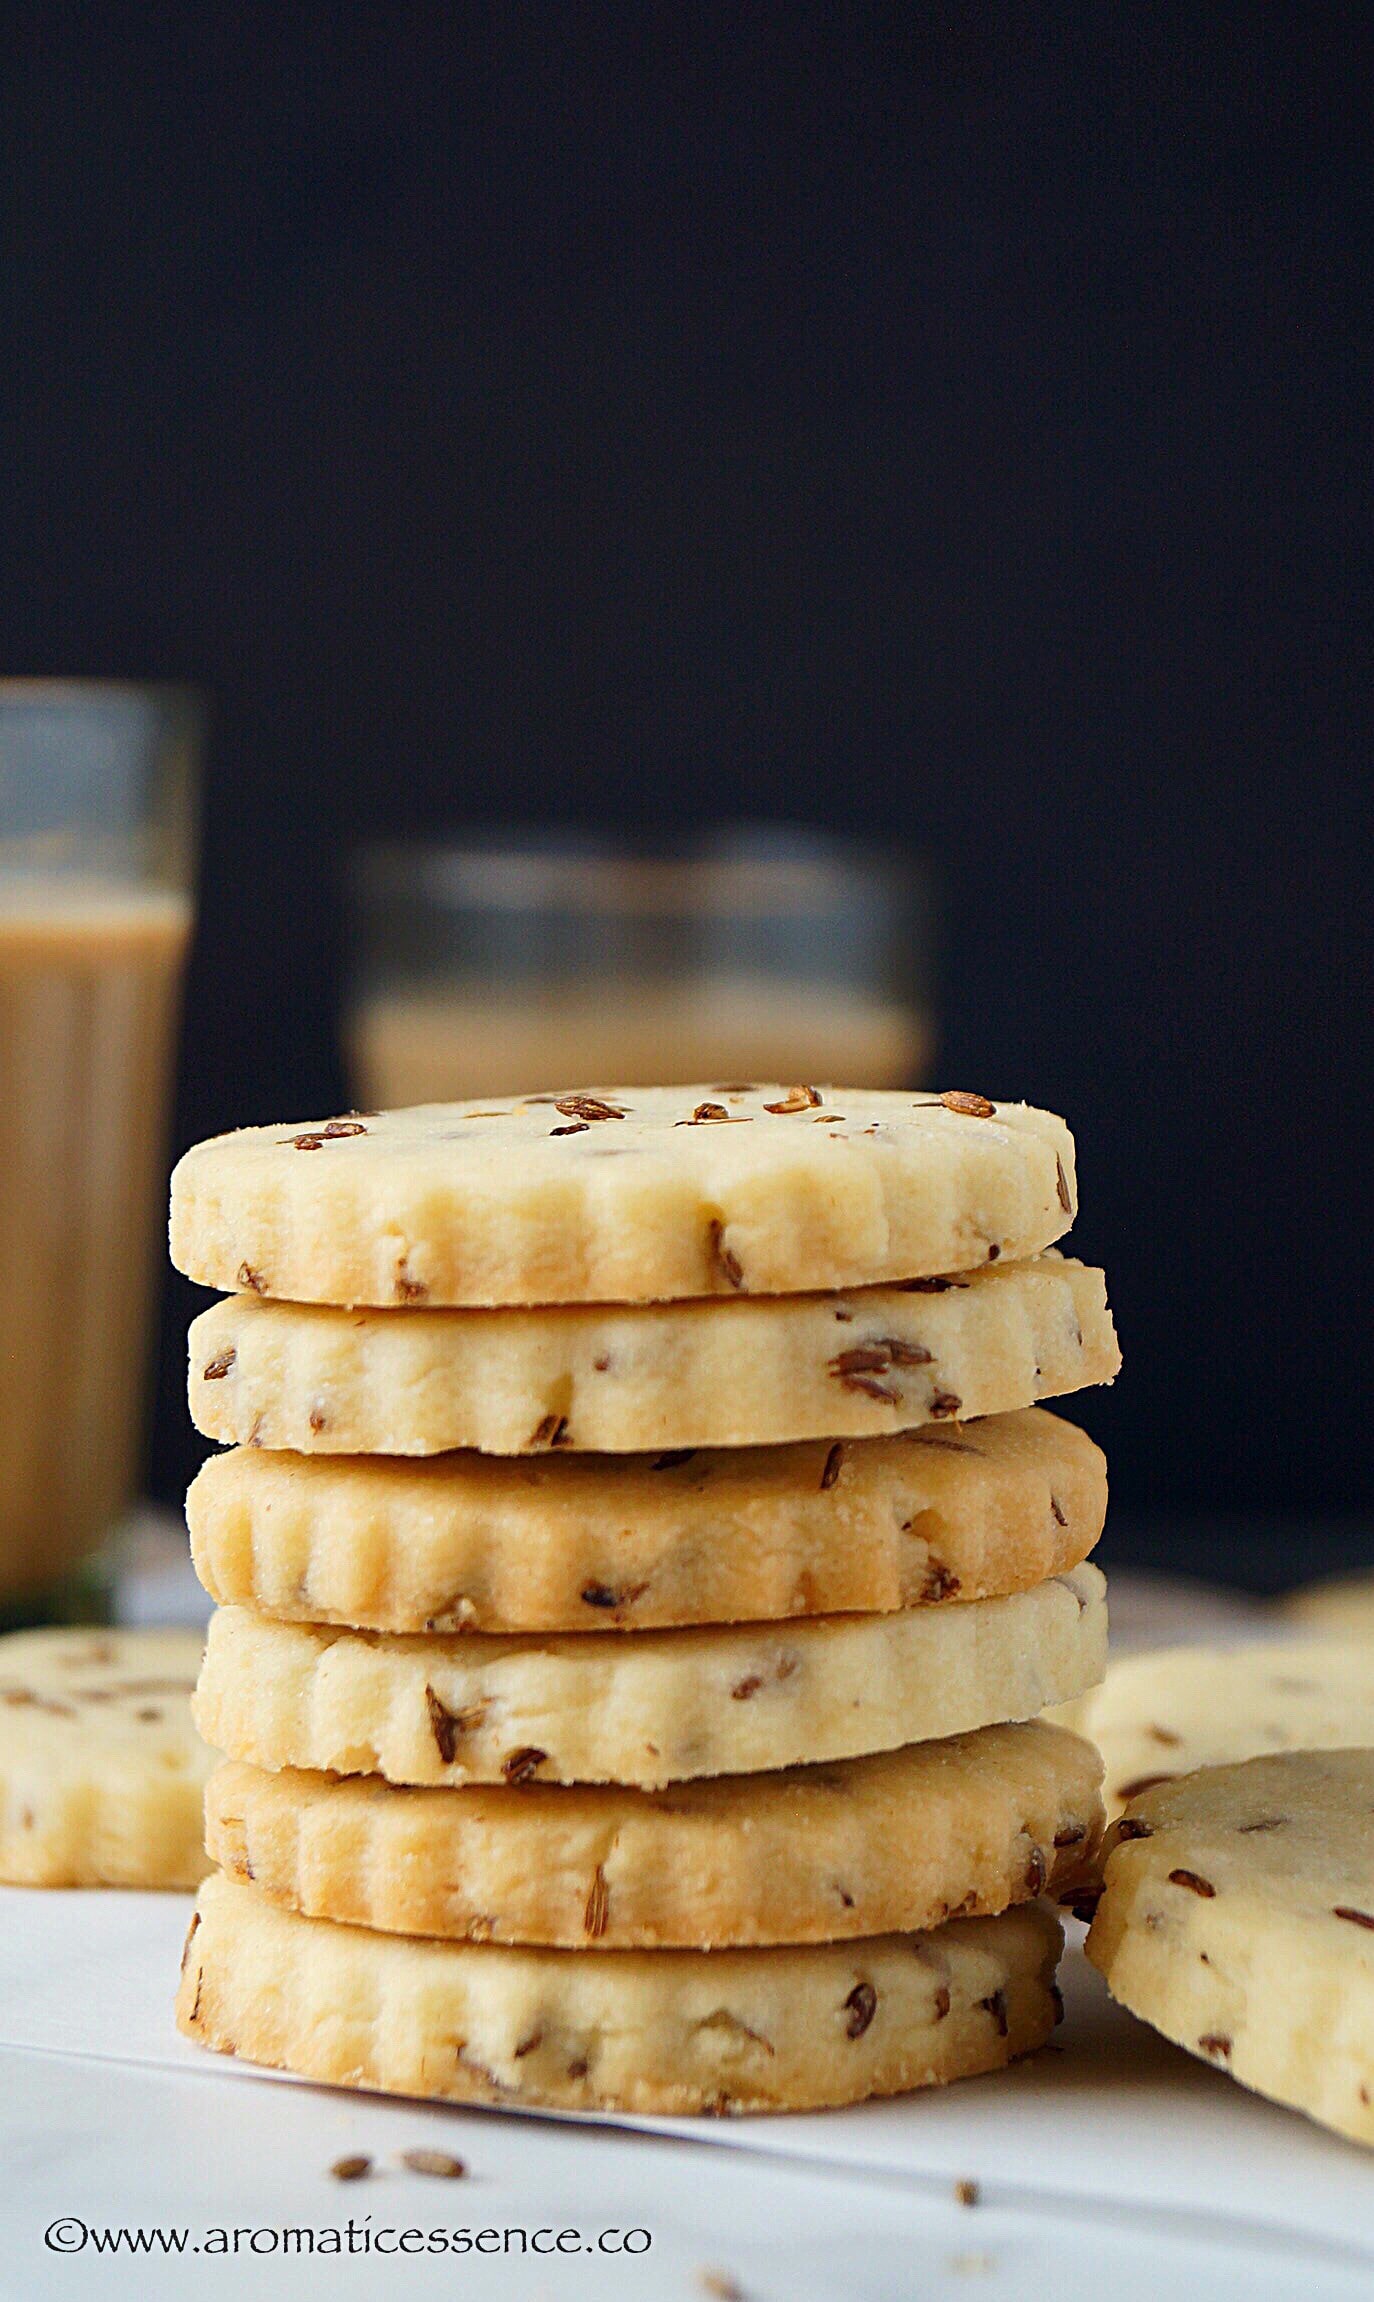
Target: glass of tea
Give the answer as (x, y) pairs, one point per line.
(513, 964)
(97, 797)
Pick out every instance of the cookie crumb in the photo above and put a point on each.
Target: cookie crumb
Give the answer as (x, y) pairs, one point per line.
(967, 2192)
(351, 2169)
(433, 2162)
(721, 2286)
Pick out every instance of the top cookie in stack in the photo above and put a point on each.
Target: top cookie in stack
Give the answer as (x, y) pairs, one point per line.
(697, 1374)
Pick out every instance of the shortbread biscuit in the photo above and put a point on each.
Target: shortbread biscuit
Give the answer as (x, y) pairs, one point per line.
(888, 1844)
(660, 1707)
(576, 1542)
(1340, 1608)
(670, 1375)
(1157, 1716)
(1238, 1918)
(101, 1771)
(667, 2031)
(632, 1195)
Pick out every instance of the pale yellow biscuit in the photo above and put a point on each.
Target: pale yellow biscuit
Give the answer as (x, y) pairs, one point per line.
(574, 1542)
(1157, 1716)
(101, 1770)
(668, 1375)
(1341, 1608)
(636, 1195)
(882, 1845)
(1238, 1918)
(666, 2031)
(660, 1707)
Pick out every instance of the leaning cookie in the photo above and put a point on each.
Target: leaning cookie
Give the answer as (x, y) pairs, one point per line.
(660, 1707)
(647, 1194)
(660, 2031)
(890, 1844)
(1339, 1607)
(1237, 1917)
(1158, 1716)
(622, 1380)
(101, 1771)
(582, 1542)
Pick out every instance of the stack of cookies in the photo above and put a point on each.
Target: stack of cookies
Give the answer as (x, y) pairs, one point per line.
(639, 1539)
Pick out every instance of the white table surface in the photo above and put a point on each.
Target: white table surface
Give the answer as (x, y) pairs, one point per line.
(1110, 2156)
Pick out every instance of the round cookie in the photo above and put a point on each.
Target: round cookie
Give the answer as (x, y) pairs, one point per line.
(573, 1542)
(659, 2031)
(888, 1844)
(1157, 1716)
(1238, 1918)
(667, 1375)
(101, 1770)
(663, 1706)
(625, 1196)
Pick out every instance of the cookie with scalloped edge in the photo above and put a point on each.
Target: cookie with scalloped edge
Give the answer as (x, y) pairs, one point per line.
(659, 2031)
(1157, 1716)
(101, 1769)
(891, 1843)
(626, 1195)
(565, 1542)
(1237, 1917)
(627, 1380)
(663, 1706)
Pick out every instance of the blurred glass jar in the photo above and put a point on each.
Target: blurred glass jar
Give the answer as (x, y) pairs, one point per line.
(97, 795)
(510, 965)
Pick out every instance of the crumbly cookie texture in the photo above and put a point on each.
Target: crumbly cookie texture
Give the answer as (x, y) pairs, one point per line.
(101, 1770)
(1157, 1716)
(662, 1376)
(661, 1707)
(888, 1844)
(623, 1196)
(574, 1542)
(1238, 1918)
(665, 2031)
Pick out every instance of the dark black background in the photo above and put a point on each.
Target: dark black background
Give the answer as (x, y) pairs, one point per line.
(945, 424)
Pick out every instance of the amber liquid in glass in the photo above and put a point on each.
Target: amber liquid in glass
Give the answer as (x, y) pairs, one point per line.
(430, 1046)
(90, 979)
